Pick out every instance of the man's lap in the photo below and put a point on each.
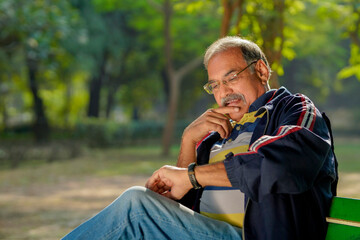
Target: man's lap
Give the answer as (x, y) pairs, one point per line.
(142, 213)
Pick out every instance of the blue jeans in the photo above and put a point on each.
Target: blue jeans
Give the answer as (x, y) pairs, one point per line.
(140, 213)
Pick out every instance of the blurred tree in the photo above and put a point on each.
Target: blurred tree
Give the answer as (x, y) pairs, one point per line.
(168, 44)
(96, 48)
(36, 28)
(350, 16)
(174, 77)
(309, 71)
(229, 8)
(181, 54)
(143, 56)
(118, 55)
(268, 23)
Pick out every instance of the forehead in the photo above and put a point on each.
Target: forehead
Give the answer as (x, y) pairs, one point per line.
(221, 63)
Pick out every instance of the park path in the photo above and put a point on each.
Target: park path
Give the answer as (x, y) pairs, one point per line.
(49, 211)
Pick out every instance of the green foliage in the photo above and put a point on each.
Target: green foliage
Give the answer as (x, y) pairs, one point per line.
(36, 31)
(68, 39)
(318, 46)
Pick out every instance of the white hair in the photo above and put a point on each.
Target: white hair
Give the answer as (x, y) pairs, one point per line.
(250, 50)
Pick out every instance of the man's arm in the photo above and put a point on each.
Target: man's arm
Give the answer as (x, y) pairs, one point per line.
(174, 182)
(211, 120)
(288, 160)
(187, 153)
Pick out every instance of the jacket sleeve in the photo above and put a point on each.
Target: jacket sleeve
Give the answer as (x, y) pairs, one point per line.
(289, 159)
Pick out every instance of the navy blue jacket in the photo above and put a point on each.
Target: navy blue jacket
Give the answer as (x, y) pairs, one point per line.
(288, 172)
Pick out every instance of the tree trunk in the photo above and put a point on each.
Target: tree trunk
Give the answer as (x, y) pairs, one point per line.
(110, 100)
(174, 78)
(94, 101)
(166, 81)
(172, 105)
(239, 16)
(4, 93)
(4, 113)
(171, 116)
(271, 31)
(67, 104)
(229, 7)
(95, 89)
(354, 32)
(274, 30)
(114, 83)
(41, 126)
(135, 114)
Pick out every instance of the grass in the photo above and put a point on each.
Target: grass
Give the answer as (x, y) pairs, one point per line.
(95, 162)
(348, 155)
(41, 200)
(129, 161)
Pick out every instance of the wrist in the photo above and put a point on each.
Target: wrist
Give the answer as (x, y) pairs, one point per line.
(191, 173)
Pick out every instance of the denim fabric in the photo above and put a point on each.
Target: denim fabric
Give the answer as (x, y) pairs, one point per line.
(140, 213)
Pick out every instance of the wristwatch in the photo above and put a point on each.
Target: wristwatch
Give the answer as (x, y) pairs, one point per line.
(191, 173)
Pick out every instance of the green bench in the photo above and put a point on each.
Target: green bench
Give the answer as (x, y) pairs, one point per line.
(344, 219)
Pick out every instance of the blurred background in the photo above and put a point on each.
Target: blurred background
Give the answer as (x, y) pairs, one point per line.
(95, 94)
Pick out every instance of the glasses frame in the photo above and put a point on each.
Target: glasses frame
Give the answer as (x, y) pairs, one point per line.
(208, 88)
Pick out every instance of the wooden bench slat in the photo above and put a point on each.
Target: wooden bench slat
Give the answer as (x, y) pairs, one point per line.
(344, 219)
(345, 208)
(343, 232)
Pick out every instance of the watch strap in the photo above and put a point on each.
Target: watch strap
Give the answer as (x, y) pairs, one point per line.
(191, 173)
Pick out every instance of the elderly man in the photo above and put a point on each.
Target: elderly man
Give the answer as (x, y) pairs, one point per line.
(261, 163)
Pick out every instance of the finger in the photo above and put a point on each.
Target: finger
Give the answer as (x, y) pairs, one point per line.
(162, 190)
(220, 125)
(160, 187)
(152, 180)
(226, 110)
(218, 128)
(214, 113)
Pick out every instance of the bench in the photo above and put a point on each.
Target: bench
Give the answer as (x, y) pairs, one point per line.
(344, 219)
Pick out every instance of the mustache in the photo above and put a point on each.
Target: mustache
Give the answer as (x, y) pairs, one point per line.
(231, 97)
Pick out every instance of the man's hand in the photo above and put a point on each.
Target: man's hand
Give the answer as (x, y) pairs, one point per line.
(170, 181)
(212, 120)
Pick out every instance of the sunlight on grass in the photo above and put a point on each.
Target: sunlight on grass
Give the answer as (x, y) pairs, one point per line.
(129, 161)
(42, 200)
(95, 162)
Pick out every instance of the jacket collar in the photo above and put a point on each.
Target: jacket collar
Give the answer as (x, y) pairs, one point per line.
(262, 100)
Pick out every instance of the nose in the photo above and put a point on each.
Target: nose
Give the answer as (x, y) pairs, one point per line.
(225, 89)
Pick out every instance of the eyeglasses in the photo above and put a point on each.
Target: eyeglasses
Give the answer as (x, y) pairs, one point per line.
(212, 86)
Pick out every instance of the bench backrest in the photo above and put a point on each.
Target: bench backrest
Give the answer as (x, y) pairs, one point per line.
(344, 219)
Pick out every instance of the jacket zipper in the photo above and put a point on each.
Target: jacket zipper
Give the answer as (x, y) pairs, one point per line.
(267, 118)
(247, 203)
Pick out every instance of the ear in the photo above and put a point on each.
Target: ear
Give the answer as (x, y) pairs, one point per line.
(262, 72)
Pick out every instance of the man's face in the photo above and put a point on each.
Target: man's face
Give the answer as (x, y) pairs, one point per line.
(248, 87)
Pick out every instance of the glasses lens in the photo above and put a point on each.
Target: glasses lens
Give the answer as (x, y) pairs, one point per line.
(208, 88)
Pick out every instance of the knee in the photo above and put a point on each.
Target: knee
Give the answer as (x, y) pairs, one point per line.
(135, 198)
(133, 193)
(128, 199)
